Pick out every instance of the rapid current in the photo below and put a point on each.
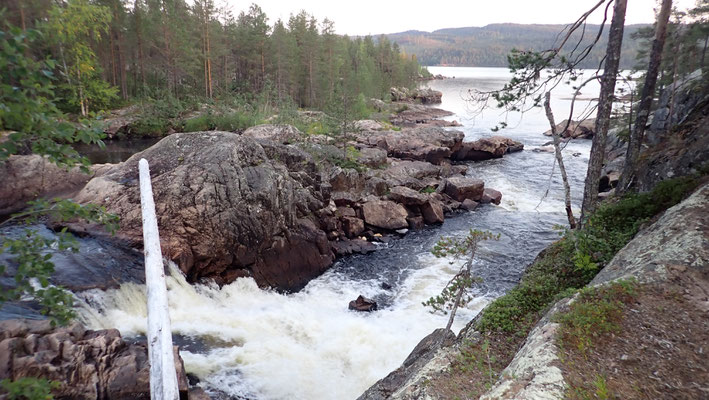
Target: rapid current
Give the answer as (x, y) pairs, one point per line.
(243, 342)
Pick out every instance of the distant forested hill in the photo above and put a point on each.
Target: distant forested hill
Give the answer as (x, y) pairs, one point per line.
(488, 46)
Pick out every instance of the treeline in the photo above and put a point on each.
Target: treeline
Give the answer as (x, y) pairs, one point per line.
(489, 46)
(113, 49)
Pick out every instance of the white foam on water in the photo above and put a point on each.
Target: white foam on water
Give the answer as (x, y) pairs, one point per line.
(306, 345)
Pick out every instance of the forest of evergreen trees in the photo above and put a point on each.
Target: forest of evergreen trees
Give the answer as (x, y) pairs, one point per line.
(488, 46)
(109, 51)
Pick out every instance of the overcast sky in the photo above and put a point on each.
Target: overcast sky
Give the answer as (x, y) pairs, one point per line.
(361, 17)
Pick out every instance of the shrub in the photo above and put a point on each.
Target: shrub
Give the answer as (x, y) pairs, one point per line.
(574, 261)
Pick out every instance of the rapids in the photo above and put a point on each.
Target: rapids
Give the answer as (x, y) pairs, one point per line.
(243, 342)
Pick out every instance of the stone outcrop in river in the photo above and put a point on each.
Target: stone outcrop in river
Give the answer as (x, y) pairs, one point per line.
(227, 206)
(91, 365)
(576, 129)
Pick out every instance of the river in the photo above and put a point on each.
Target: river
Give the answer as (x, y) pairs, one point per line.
(243, 342)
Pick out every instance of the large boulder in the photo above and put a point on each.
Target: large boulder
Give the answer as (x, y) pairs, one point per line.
(491, 196)
(427, 96)
(278, 133)
(407, 197)
(88, 365)
(385, 214)
(413, 174)
(227, 206)
(432, 144)
(486, 148)
(363, 304)
(119, 121)
(30, 177)
(460, 188)
(433, 212)
(411, 114)
(576, 129)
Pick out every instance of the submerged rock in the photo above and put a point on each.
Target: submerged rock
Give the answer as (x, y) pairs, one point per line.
(363, 304)
(491, 196)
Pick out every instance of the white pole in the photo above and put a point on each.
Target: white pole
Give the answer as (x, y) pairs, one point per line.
(163, 378)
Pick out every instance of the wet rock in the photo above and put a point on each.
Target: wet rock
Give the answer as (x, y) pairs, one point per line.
(226, 202)
(415, 223)
(491, 196)
(363, 304)
(576, 130)
(353, 246)
(26, 178)
(385, 214)
(433, 212)
(88, 364)
(461, 188)
(470, 205)
(283, 134)
(406, 196)
(352, 226)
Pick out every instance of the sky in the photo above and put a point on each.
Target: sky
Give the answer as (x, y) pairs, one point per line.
(362, 17)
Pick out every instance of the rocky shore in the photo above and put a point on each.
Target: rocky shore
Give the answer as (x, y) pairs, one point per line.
(270, 203)
(242, 204)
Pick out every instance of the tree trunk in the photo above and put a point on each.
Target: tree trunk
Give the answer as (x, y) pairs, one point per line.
(704, 52)
(560, 160)
(605, 106)
(458, 296)
(646, 96)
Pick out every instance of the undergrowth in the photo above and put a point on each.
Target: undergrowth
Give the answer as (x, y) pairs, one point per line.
(595, 312)
(574, 261)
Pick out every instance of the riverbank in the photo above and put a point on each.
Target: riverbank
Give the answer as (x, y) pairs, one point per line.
(551, 336)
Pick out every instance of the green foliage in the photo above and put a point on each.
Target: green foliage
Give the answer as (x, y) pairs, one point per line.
(489, 46)
(428, 190)
(233, 122)
(477, 357)
(29, 388)
(575, 260)
(454, 293)
(27, 109)
(31, 253)
(72, 27)
(595, 312)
